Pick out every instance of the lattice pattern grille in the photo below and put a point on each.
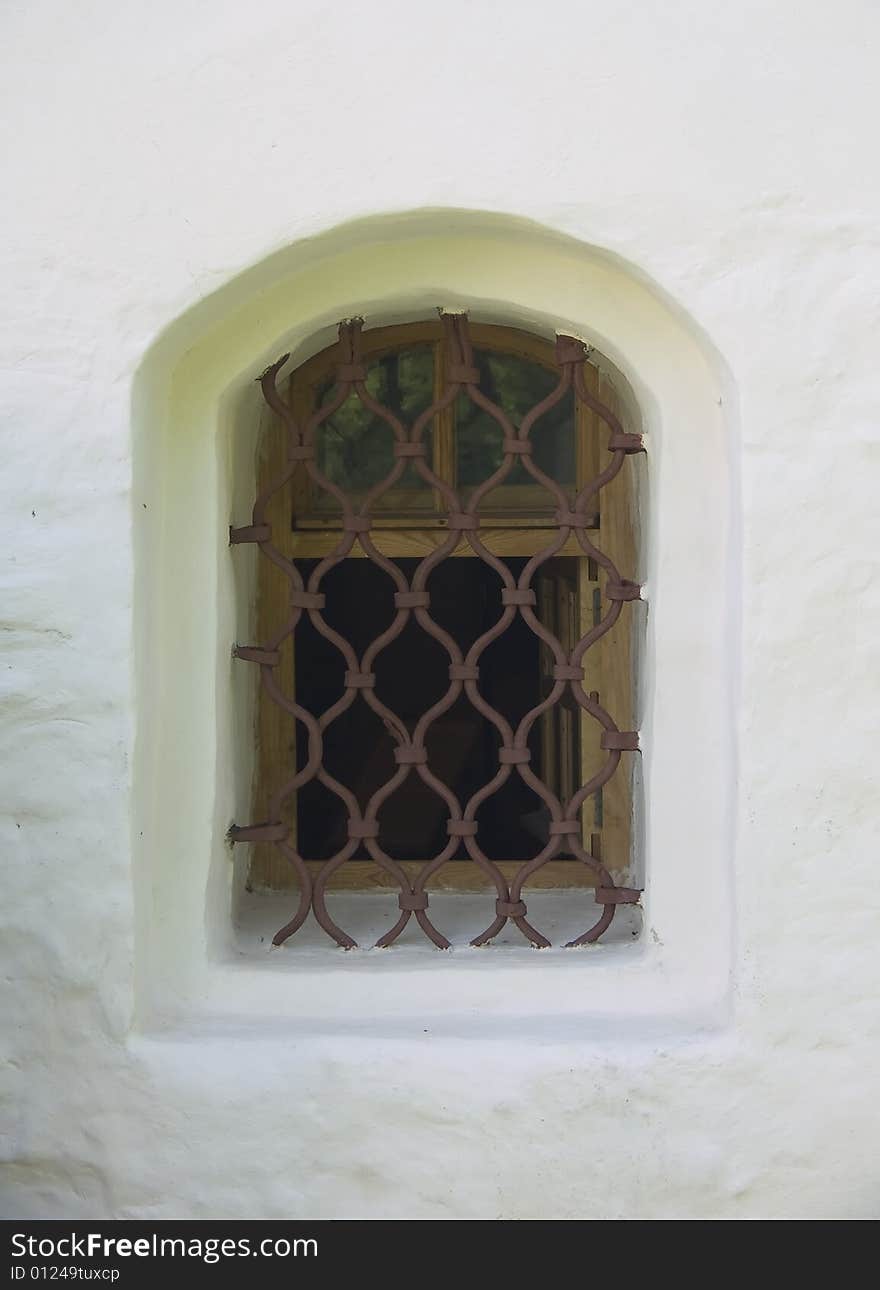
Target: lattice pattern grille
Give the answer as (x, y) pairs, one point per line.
(412, 599)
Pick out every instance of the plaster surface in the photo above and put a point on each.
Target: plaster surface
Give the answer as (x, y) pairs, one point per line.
(168, 173)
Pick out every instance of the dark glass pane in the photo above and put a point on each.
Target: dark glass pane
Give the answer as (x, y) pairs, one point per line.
(516, 385)
(412, 673)
(355, 446)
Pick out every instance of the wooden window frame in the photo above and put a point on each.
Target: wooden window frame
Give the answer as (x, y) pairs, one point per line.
(304, 533)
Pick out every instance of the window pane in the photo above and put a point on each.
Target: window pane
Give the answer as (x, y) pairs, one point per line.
(412, 674)
(355, 447)
(516, 385)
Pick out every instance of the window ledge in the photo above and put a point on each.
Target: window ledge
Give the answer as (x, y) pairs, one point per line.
(628, 986)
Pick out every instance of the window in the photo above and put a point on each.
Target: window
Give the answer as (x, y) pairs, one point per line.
(446, 515)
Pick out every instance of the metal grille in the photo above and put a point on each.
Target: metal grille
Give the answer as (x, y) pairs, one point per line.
(574, 514)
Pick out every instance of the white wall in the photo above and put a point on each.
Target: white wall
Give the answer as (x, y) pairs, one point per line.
(725, 157)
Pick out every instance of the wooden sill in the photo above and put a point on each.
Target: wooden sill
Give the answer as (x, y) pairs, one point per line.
(457, 875)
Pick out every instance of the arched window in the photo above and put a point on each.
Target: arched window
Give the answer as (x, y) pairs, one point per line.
(447, 516)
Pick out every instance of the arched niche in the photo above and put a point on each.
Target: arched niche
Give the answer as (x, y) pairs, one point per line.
(196, 416)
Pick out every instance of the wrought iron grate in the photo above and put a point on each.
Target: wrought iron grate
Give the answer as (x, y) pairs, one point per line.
(411, 597)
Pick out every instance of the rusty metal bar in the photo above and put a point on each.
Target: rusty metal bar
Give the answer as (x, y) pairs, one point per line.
(574, 514)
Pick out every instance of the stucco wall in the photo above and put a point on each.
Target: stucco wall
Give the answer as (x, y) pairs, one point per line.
(165, 170)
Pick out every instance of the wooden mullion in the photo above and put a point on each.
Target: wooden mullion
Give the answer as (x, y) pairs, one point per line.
(444, 427)
(301, 397)
(426, 519)
(419, 541)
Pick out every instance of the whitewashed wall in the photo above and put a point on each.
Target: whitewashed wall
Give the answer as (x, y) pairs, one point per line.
(725, 157)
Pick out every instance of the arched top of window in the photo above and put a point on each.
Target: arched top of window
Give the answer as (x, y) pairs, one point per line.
(406, 369)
